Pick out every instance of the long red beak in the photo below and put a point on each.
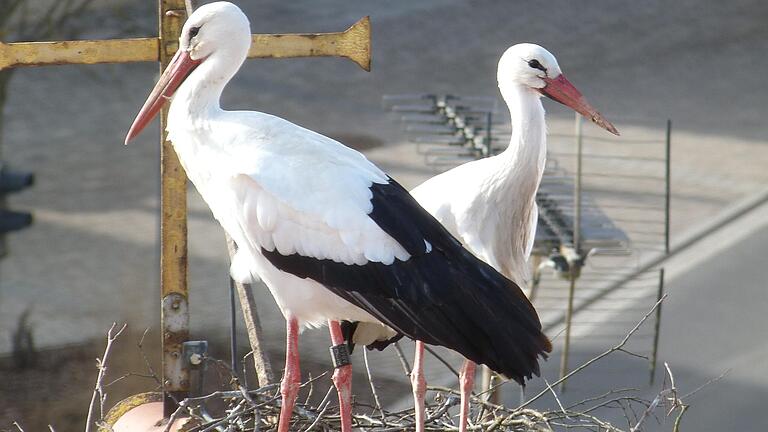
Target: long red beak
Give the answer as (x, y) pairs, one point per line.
(177, 71)
(561, 90)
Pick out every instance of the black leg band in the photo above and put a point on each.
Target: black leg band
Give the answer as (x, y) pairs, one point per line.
(340, 356)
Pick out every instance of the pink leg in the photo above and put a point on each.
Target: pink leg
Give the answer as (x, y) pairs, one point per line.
(342, 379)
(466, 383)
(289, 387)
(419, 385)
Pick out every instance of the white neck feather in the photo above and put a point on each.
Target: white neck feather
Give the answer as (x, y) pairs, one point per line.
(196, 108)
(523, 160)
(528, 145)
(199, 95)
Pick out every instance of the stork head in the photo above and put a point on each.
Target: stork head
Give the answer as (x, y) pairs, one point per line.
(533, 67)
(217, 34)
(218, 29)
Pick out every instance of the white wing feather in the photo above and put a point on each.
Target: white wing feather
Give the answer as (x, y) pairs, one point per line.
(296, 191)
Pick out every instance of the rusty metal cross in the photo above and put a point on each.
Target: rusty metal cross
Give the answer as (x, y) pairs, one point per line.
(354, 44)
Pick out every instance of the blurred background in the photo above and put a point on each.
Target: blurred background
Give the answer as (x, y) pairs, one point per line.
(91, 256)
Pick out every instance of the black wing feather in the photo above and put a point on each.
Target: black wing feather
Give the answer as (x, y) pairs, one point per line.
(443, 297)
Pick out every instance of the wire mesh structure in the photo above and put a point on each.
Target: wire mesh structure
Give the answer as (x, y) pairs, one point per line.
(603, 211)
(624, 180)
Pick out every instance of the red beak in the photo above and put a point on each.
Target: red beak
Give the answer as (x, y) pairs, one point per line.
(561, 90)
(177, 71)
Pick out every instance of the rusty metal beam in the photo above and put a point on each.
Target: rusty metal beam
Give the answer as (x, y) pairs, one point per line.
(174, 318)
(353, 44)
(78, 52)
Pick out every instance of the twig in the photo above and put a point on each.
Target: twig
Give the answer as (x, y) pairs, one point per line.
(373, 387)
(557, 399)
(602, 396)
(311, 389)
(557, 335)
(676, 426)
(176, 414)
(667, 394)
(235, 411)
(126, 375)
(98, 390)
(140, 345)
(406, 367)
(630, 353)
(442, 360)
(324, 404)
(712, 381)
(599, 357)
(312, 379)
(252, 325)
(245, 368)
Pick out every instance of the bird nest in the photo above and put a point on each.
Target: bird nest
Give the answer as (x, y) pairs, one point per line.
(237, 408)
(258, 410)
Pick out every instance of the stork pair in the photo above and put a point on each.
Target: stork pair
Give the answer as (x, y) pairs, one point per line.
(335, 239)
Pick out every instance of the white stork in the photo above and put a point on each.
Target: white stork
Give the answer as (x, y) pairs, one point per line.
(331, 235)
(490, 204)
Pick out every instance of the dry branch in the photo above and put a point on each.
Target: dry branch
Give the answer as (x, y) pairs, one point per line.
(98, 391)
(606, 353)
(253, 326)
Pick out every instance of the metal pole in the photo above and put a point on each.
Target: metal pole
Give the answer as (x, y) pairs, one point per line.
(660, 293)
(174, 319)
(577, 187)
(488, 138)
(668, 184)
(657, 326)
(577, 250)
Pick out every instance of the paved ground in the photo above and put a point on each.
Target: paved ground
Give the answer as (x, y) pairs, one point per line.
(713, 323)
(91, 256)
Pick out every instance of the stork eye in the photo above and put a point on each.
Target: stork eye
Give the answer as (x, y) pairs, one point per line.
(536, 65)
(193, 31)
